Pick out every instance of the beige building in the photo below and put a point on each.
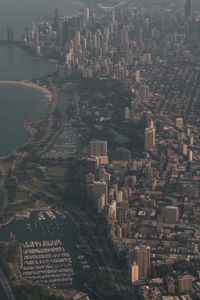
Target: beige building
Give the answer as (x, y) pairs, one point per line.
(143, 260)
(150, 138)
(185, 283)
(101, 203)
(134, 272)
(190, 155)
(86, 16)
(179, 123)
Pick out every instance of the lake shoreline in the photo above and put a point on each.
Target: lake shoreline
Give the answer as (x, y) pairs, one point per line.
(48, 94)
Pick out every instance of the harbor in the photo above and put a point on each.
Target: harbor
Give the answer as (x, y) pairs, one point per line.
(48, 249)
(47, 262)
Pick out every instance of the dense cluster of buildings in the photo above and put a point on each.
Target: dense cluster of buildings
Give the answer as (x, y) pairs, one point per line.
(151, 202)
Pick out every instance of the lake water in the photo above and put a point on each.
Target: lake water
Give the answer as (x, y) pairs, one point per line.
(32, 229)
(18, 103)
(21, 13)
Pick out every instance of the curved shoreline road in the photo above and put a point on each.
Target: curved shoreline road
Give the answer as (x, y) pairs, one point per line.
(30, 84)
(49, 96)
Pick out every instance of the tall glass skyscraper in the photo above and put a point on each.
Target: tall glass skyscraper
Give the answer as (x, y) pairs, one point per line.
(188, 8)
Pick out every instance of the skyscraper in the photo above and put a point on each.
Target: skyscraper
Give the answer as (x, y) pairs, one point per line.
(100, 188)
(112, 210)
(144, 92)
(86, 16)
(185, 283)
(137, 76)
(143, 260)
(134, 272)
(10, 35)
(56, 20)
(150, 138)
(188, 8)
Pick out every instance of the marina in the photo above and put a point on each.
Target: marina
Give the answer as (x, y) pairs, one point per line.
(48, 249)
(47, 262)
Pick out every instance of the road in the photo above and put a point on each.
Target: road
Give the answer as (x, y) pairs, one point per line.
(6, 286)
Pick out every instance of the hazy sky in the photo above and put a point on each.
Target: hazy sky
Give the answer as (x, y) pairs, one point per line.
(20, 13)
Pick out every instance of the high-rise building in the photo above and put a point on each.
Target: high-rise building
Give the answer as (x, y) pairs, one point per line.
(123, 212)
(188, 130)
(143, 260)
(78, 38)
(100, 188)
(101, 203)
(185, 283)
(127, 113)
(124, 40)
(144, 92)
(147, 58)
(113, 16)
(171, 214)
(170, 283)
(150, 138)
(147, 118)
(137, 76)
(56, 20)
(86, 16)
(134, 272)
(112, 210)
(141, 35)
(188, 8)
(10, 35)
(185, 149)
(190, 155)
(191, 140)
(179, 123)
(98, 148)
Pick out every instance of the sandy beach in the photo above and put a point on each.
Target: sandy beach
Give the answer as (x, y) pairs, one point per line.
(47, 93)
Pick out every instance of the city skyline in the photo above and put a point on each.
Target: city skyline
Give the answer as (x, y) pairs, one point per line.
(103, 198)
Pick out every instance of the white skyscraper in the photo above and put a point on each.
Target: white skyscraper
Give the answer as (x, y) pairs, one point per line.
(112, 210)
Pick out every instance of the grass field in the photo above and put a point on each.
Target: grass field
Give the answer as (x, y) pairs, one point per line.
(56, 172)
